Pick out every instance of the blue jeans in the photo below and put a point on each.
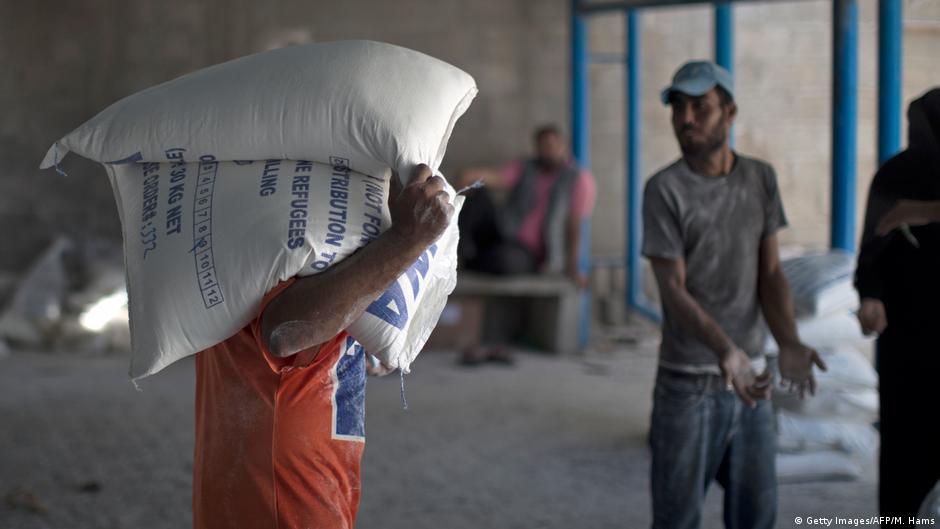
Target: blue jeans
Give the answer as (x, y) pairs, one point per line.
(702, 432)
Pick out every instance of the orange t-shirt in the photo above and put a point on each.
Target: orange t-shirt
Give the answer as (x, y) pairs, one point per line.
(278, 440)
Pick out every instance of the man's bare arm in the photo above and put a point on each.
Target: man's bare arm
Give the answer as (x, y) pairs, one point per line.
(734, 363)
(795, 359)
(316, 308)
(573, 251)
(774, 292)
(490, 176)
(911, 213)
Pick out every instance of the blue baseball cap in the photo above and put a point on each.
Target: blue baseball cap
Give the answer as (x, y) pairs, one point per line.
(696, 78)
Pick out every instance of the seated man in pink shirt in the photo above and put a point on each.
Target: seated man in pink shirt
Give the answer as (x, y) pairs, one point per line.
(538, 227)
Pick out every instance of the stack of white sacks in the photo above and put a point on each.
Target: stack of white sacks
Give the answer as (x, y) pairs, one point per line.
(236, 177)
(831, 435)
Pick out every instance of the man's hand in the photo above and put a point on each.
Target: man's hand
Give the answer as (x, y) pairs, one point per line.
(421, 211)
(580, 280)
(573, 271)
(738, 375)
(872, 316)
(316, 308)
(375, 368)
(796, 368)
(910, 212)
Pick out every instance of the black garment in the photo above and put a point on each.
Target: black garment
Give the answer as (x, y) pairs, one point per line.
(482, 246)
(907, 280)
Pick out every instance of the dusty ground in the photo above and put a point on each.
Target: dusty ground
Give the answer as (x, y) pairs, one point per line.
(548, 443)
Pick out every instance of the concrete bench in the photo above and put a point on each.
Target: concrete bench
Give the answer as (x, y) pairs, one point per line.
(551, 305)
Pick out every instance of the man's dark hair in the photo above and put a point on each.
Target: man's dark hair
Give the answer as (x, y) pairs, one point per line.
(545, 130)
(724, 96)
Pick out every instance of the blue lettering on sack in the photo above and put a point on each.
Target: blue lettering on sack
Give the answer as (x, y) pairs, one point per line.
(391, 307)
(421, 267)
(300, 191)
(372, 226)
(174, 212)
(149, 201)
(203, 255)
(269, 177)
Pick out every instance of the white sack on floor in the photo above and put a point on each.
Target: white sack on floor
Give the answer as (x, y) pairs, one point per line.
(797, 433)
(822, 283)
(829, 331)
(829, 465)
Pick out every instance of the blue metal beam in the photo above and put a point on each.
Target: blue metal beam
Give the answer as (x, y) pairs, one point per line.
(607, 58)
(580, 109)
(724, 42)
(580, 144)
(844, 122)
(724, 36)
(890, 45)
(634, 109)
(634, 159)
(604, 7)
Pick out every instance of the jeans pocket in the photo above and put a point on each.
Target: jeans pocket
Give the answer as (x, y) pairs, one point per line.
(672, 398)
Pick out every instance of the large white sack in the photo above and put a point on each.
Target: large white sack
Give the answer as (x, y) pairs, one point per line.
(377, 105)
(205, 241)
(821, 283)
(855, 405)
(396, 326)
(829, 331)
(828, 465)
(797, 433)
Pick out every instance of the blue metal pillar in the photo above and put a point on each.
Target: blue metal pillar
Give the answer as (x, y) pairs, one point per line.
(634, 160)
(724, 36)
(889, 78)
(724, 42)
(580, 145)
(844, 122)
(634, 108)
(580, 109)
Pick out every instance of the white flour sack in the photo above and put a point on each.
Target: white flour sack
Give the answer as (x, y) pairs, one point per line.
(377, 105)
(205, 241)
(207, 233)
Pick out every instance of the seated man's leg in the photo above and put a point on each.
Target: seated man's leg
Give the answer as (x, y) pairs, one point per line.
(477, 224)
(482, 247)
(748, 472)
(508, 258)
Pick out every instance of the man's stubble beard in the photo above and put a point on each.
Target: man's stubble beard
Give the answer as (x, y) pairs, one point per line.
(713, 142)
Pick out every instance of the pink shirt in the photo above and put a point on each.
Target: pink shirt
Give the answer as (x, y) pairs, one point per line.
(583, 196)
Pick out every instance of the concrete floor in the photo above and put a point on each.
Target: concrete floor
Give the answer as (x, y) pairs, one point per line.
(548, 443)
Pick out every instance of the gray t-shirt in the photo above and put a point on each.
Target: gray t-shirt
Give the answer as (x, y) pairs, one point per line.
(716, 225)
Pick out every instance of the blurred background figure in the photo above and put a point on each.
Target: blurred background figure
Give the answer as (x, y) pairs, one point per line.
(536, 229)
(899, 284)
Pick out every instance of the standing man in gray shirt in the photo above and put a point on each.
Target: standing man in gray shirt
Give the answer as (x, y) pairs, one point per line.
(710, 223)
